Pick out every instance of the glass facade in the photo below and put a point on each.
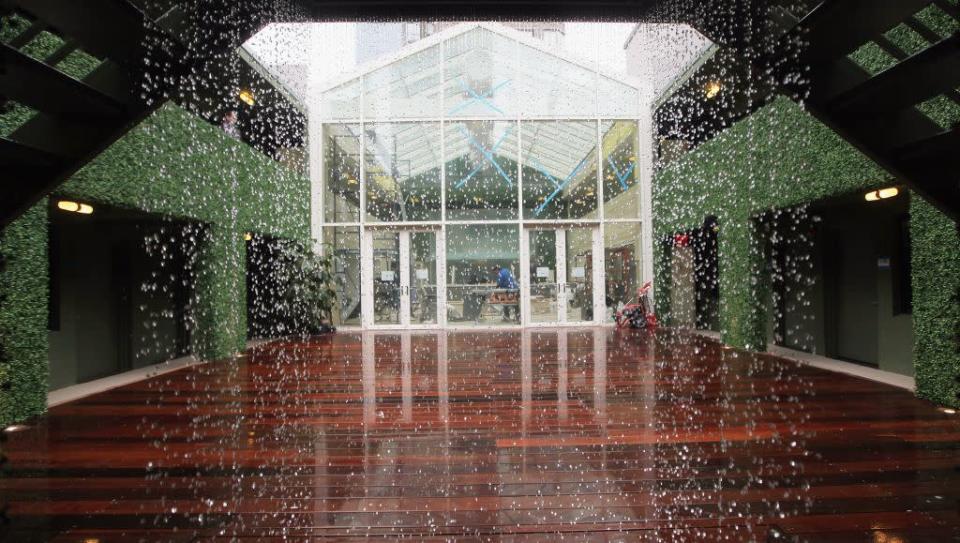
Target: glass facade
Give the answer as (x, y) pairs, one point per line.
(506, 165)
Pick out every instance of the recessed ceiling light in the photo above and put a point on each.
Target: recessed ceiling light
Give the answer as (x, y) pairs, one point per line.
(881, 194)
(75, 207)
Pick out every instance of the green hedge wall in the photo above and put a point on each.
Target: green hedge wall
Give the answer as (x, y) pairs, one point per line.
(23, 316)
(176, 165)
(777, 158)
(936, 303)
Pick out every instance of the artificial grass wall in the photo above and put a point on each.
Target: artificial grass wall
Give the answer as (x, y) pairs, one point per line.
(23, 316)
(781, 157)
(935, 259)
(172, 164)
(778, 157)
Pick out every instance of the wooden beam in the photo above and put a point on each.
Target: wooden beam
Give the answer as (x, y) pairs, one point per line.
(837, 27)
(44, 88)
(104, 28)
(931, 72)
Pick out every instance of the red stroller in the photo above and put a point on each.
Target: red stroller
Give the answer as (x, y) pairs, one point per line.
(638, 314)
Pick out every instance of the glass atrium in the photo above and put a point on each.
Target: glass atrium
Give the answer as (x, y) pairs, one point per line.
(476, 149)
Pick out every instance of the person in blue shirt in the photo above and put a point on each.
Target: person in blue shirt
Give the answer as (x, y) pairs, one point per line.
(506, 281)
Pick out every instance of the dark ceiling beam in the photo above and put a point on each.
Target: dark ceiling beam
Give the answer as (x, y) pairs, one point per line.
(438, 10)
(926, 172)
(951, 9)
(78, 144)
(62, 52)
(25, 37)
(931, 72)
(104, 28)
(17, 157)
(927, 149)
(44, 88)
(723, 21)
(838, 27)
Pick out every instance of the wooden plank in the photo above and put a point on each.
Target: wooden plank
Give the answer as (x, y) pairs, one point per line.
(615, 434)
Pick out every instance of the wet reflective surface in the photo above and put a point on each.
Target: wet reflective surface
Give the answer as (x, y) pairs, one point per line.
(590, 432)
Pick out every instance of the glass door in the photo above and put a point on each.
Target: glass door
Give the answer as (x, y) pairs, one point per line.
(560, 271)
(386, 277)
(577, 287)
(423, 278)
(401, 278)
(545, 281)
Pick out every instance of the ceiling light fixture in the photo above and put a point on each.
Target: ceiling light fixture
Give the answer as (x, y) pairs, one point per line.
(712, 89)
(246, 96)
(881, 194)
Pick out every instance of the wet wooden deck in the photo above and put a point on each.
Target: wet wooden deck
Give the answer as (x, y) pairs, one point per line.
(590, 433)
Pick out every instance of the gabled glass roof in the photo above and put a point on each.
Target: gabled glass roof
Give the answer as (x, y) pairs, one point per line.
(479, 70)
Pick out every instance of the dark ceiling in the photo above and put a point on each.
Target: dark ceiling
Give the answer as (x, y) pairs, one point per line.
(768, 47)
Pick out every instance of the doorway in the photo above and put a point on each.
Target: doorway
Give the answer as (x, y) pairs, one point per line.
(400, 278)
(559, 277)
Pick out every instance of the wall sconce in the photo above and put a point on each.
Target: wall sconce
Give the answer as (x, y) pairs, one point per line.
(712, 89)
(246, 96)
(75, 207)
(881, 194)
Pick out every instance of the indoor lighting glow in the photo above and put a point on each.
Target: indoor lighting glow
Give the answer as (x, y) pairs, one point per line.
(712, 89)
(246, 96)
(14, 428)
(67, 205)
(881, 194)
(888, 193)
(248, 236)
(75, 207)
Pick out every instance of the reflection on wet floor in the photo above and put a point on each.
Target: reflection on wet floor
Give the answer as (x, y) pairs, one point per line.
(594, 433)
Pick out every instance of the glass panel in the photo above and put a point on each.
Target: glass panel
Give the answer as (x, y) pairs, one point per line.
(544, 289)
(481, 173)
(423, 277)
(341, 172)
(377, 39)
(409, 87)
(551, 86)
(621, 242)
(621, 186)
(559, 169)
(386, 277)
(344, 243)
(579, 285)
(402, 171)
(342, 102)
(473, 294)
(479, 75)
(616, 99)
